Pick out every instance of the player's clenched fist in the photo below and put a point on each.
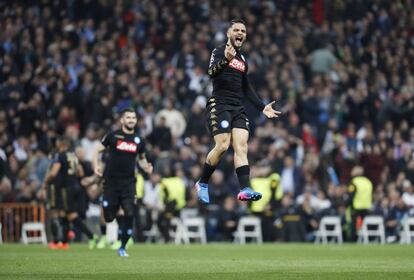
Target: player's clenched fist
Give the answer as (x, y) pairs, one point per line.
(229, 52)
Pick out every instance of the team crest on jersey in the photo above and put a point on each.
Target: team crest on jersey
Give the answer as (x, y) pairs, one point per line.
(224, 124)
(125, 146)
(238, 65)
(137, 140)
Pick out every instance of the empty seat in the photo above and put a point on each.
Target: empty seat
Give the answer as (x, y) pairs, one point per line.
(177, 232)
(188, 213)
(372, 227)
(34, 227)
(195, 229)
(329, 227)
(248, 227)
(407, 232)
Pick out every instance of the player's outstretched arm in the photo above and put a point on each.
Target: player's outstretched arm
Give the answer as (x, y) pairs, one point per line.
(270, 112)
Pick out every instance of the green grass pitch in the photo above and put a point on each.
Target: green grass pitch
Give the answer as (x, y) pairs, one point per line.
(215, 261)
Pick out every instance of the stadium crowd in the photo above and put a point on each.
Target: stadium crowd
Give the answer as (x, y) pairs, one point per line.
(341, 72)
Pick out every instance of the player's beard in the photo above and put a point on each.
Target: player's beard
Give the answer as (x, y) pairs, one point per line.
(129, 127)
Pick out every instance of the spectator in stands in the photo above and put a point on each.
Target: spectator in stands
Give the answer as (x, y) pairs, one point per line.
(228, 219)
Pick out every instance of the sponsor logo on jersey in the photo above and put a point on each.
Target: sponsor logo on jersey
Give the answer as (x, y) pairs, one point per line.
(125, 146)
(238, 65)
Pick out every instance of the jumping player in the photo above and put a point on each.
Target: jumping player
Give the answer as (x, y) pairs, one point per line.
(227, 120)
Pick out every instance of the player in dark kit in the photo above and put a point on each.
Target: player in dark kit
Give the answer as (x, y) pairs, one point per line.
(123, 147)
(63, 192)
(227, 120)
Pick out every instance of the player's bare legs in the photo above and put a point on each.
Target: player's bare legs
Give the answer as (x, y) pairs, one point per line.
(239, 139)
(222, 143)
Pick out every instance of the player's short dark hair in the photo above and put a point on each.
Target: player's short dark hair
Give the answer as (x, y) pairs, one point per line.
(236, 20)
(127, 110)
(64, 140)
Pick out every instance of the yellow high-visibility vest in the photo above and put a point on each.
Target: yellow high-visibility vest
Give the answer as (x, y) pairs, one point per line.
(363, 193)
(176, 190)
(139, 186)
(263, 185)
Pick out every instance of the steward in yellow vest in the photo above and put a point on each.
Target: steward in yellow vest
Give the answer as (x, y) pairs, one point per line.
(271, 193)
(139, 187)
(360, 191)
(265, 208)
(173, 194)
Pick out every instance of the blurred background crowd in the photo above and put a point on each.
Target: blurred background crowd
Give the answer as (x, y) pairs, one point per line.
(341, 72)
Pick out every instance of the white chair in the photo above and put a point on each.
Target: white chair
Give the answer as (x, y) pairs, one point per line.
(177, 232)
(39, 227)
(329, 226)
(407, 232)
(195, 229)
(188, 213)
(369, 222)
(241, 234)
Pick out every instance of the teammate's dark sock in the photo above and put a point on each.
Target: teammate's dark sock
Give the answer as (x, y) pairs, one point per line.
(120, 220)
(206, 174)
(65, 228)
(80, 225)
(243, 174)
(103, 229)
(127, 230)
(56, 230)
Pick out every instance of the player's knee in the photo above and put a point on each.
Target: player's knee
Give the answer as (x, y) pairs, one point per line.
(129, 211)
(241, 148)
(72, 216)
(109, 216)
(222, 145)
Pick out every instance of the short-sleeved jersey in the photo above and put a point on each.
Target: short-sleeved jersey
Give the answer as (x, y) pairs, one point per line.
(66, 176)
(122, 149)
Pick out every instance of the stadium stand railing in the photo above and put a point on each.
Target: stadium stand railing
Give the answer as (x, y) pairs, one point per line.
(14, 215)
